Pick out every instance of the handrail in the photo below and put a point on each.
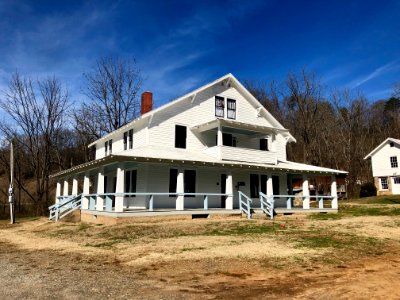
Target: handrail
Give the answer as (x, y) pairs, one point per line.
(267, 204)
(247, 209)
(306, 200)
(61, 209)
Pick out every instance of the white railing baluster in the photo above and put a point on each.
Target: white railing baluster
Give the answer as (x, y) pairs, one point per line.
(151, 203)
(205, 206)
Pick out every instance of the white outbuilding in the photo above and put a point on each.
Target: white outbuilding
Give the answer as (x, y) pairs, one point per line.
(385, 167)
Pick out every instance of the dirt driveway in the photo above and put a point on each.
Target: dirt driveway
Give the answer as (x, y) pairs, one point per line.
(346, 257)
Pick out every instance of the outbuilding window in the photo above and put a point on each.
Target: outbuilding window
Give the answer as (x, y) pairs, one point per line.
(384, 183)
(393, 162)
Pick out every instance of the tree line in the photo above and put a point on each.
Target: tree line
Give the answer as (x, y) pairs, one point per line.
(51, 133)
(334, 129)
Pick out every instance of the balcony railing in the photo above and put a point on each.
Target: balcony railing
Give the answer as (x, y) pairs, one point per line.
(242, 154)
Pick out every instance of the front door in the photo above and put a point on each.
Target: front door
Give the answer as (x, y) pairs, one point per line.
(223, 190)
(395, 185)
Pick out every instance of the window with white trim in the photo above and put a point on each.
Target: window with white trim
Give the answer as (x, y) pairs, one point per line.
(219, 106)
(396, 180)
(393, 162)
(108, 147)
(231, 108)
(128, 139)
(384, 183)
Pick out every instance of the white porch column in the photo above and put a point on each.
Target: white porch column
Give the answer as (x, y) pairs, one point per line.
(229, 190)
(334, 192)
(119, 200)
(219, 141)
(86, 187)
(58, 191)
(100, 189)
(180, 189)
(270, 186)
(219, 136)
(74, 186)
(306, 193)
(65, 190)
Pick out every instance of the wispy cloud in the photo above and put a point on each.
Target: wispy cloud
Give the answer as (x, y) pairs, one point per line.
(376, 73)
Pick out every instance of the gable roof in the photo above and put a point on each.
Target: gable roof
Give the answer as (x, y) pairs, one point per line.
(396, 141)
(229, 79)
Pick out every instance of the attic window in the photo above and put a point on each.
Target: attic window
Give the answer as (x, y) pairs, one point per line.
(231, 113)
(219, 106)
(391, 144)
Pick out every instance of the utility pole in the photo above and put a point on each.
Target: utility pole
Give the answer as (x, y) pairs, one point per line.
(11, 188)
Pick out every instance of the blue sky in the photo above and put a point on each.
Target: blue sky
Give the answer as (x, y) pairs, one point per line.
(180, 45)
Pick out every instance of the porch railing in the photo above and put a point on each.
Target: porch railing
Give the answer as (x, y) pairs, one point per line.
(267, 204)
(320, 199)
(245, 204)
(65, 206)
(109, 197)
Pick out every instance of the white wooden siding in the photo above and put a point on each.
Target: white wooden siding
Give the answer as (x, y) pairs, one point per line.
(192, 112)
(381, 161)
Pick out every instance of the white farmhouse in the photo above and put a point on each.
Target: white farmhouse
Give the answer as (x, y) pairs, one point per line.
(214, 148)
(385, 167)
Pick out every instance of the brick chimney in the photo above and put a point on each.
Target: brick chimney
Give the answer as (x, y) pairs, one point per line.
(147, 102)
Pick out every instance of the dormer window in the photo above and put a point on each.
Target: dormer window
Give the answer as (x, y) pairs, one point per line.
(391, 144)
(219, 106)
(231, 105)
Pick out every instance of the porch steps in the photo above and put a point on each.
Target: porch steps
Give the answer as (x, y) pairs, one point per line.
(257, 213)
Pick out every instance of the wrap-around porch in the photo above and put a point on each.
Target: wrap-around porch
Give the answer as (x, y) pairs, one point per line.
(126, 187)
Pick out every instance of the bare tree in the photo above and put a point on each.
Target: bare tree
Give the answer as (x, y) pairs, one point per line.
(302, 103)
(37, 110)
(112, 89)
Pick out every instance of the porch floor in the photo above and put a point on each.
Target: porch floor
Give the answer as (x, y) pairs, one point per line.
(162, 212)
(299, 210)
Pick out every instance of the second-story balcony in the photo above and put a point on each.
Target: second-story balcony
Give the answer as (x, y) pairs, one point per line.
(242, 154)
(231, 140)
